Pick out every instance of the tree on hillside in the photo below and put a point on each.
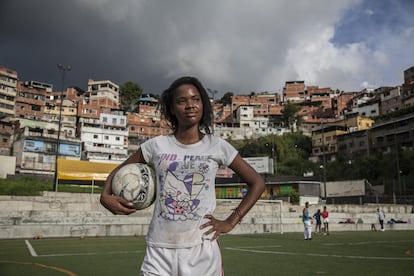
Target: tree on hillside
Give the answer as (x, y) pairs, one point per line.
(289, 114)
(226, 99)
(130, 92)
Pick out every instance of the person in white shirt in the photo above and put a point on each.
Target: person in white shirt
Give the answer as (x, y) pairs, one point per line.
(182, 236)
(381, 218)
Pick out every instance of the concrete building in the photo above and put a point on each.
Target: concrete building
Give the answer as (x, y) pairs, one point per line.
(394, 134)
(324, 142)
(294, 91)
(8, 91)
(145, 122)
(30, 101)
(408, 88)
(354, 144)
(8, 132)
(105, 140)
(35, 147)
(391, 100)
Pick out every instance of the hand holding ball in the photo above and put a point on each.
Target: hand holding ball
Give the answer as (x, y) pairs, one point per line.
(135, 183)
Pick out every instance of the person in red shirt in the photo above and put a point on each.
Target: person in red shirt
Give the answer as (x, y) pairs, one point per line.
(325, 219)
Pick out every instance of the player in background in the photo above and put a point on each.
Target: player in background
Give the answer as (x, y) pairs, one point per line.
(381, 218)
(325, 220)
(307, 222)
(317, 217)
(182, 236)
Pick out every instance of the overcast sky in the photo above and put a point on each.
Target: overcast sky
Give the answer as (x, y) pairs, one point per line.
(231, 45)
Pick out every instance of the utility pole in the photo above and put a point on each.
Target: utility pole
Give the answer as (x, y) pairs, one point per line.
(323, 160)
(213, 94)
(274, 156)
(64, 69)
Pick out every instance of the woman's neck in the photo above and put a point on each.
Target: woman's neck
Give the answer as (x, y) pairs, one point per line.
(188, 136)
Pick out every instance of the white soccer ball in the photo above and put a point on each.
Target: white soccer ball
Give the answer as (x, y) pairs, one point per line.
(135, 183)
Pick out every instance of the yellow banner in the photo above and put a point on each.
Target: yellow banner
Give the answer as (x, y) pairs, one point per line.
(84, 170)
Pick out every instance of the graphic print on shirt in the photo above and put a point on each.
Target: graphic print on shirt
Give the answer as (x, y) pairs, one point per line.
(182, 185)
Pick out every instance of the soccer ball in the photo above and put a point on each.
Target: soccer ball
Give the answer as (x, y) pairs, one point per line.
(135, 183)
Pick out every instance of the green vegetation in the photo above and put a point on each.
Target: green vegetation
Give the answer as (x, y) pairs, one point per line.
(33, 186)
(290, 115)
(341, 253)
(130, 92)
(292, 152)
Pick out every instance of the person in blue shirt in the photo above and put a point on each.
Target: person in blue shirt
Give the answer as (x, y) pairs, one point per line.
(317, 217)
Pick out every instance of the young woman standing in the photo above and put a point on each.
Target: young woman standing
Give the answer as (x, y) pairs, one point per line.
(182, 236)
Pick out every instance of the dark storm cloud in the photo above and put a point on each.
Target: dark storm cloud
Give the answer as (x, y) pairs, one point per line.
(40, 34)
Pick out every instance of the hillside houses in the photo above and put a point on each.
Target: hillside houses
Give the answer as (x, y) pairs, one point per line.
(92, 126)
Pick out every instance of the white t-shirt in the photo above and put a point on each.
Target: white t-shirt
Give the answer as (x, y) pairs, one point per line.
(185, 187)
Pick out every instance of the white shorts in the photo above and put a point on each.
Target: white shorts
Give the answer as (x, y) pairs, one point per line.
(325, 220)
(203, 259)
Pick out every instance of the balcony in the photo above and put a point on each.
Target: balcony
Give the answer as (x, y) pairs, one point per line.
(104, 131)
(105, 150)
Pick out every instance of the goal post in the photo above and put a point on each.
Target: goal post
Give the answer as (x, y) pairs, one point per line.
(277, 212)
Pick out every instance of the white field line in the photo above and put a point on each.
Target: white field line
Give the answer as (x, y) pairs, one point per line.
(318, 255)
(90, 254)
(31, 249)
(365, 242)
(34, 254)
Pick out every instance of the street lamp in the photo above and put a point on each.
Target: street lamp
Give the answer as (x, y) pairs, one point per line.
(64, 69)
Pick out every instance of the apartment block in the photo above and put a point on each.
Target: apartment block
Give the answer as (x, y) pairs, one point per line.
(390, 135)
(9, 130)
(324, 141)
(294, 91)
(354, 144)
(30, 100)
(8, 91)
(408, 88)
(35, 147)
(391, 100)
(101, 97)
(340, 102)
(105, 140)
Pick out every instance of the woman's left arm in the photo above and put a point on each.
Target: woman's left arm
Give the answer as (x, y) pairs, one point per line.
(256, 185)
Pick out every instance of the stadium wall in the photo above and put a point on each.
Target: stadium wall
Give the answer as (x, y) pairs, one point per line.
(73, 215)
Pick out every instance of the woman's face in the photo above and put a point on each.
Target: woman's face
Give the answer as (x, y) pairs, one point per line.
(187, 105)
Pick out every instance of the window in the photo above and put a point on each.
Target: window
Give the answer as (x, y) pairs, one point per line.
(30, 144)
(106, 137)
(36, 107)
(95, 136)
(117, 138)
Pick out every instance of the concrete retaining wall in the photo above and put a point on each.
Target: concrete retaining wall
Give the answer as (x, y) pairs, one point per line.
(73, 215)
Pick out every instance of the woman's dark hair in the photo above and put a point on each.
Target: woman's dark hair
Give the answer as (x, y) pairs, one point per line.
(167, 101)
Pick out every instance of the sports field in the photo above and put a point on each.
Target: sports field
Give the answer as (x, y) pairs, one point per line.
(341, 253)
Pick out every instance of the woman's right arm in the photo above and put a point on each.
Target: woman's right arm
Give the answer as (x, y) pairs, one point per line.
(113, 203)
